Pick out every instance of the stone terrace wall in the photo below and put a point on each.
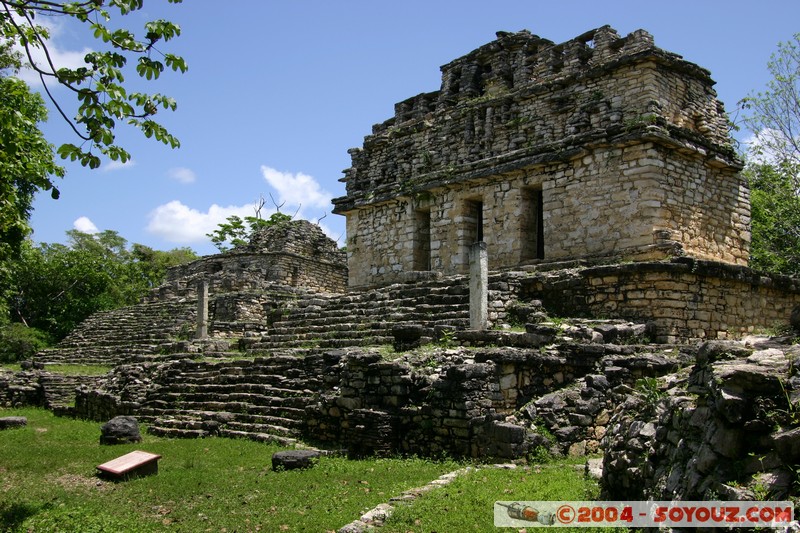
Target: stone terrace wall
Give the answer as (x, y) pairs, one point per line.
(480, 402)
(600, 145)
(683, 299)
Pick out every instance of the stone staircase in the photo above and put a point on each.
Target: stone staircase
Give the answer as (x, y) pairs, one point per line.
(123, 335)
(263, 399)
(366, 319)
(146, 331)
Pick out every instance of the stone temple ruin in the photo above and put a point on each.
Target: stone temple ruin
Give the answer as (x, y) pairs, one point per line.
(599, 176)
(595, 147)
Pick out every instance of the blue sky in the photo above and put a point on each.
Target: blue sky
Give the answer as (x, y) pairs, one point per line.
(277, 92)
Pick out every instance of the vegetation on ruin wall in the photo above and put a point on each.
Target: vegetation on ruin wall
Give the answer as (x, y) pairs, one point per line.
(236, 231)
(49, 483)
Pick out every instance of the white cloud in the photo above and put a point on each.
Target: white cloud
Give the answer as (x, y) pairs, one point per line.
(767, 146)
(84, 225)
(182, 175)
(179, 223)
(112, 166)
(60, 57)
(297, 189)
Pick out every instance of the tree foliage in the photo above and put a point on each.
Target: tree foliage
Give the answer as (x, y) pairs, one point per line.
(26, 161)
(773, 169)
(103, 96)
(237, 231)
(774, 115)
(54, 287)
(775, 218)
(18, 342)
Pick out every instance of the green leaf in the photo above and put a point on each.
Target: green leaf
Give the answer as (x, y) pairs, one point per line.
(162, 29)
(175, 63)
(147, 68)
(101, 32)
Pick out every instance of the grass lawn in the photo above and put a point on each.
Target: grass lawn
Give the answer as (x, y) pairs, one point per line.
(467, 503)
(48, 483)
(67, 370)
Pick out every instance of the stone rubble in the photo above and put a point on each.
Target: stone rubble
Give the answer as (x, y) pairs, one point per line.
(724, 429)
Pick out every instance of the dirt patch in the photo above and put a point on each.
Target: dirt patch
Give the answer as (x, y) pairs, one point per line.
(71, 481)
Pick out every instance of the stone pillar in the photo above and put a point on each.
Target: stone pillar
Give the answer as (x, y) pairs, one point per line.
(202, 309)
(478, 286)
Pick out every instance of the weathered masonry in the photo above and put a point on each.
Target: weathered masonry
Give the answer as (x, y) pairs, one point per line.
(599, 146)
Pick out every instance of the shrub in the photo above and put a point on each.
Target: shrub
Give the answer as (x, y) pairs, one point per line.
(18, 342)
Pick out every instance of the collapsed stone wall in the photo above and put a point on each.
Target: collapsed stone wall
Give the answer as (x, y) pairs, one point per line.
(683, 298)
(726, 429)
(294, 253)
(18, 389)
(600, 145)
(485, 401)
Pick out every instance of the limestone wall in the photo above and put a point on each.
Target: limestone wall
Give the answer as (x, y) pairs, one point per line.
(684, 298)
(599, 146)
(252, 271)
(374, 406)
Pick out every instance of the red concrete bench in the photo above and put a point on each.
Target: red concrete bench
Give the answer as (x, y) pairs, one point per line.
(130, 465)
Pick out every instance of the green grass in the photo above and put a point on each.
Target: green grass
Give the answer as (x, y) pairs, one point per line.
(79, 370)
(467, 504)
(48, 483)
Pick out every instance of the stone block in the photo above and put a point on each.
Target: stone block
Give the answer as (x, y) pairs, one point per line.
(787, 444)
(294, 459)
(8, 422)
(120, 430)
(507, 432)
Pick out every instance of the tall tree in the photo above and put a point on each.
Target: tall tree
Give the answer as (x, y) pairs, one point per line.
(775, 216)
(99, 86)
(774, 114)
(26, 160)
(773, 168)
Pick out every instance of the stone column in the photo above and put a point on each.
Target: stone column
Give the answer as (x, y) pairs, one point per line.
(202, 309)
(478, 286)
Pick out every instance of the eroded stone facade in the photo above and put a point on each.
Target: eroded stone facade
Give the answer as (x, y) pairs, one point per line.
(600, 146)
(294, 253)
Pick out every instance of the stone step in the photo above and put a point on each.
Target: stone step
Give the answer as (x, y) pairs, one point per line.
(270, 429)
(259, 437)
(250, 392)
(164, 406)
(381, 316)
(324, 343)
(177, 433)
(256, 418)
(279, 411)
(181, 421)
